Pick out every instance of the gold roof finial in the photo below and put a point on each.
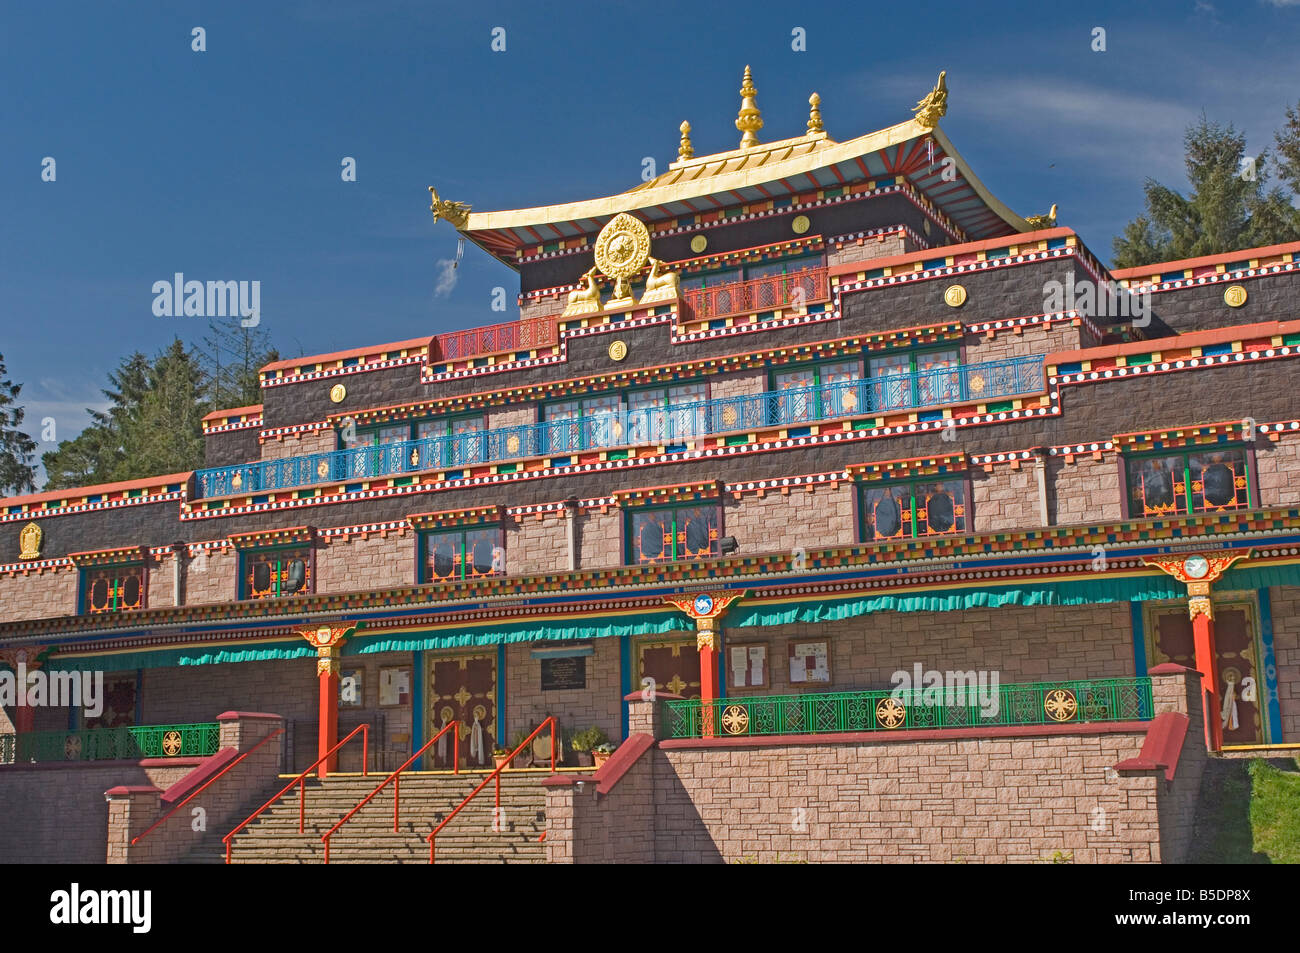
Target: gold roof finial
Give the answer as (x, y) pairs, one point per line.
(685, 150)
(750, 119)
(815, 114)
(934, 105)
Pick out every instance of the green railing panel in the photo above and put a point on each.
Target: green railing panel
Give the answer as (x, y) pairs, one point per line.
(112, 744)
(1037, 703)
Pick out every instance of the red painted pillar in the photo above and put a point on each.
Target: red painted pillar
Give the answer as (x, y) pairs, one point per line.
(1207, 663)
(328, 676)
(24, 718)
(706, 642)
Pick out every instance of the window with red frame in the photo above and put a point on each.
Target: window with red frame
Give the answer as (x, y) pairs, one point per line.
(271, 573)
(462, 554)
(1194, 481)
(114, 589)
(913, 509)
(670, 534)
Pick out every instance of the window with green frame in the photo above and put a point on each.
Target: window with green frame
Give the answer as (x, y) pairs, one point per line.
(915, 378)
(470, 553)
(817, 391)
(913, 508)
(464, 441)
(660, 414)
(671, 533)
(270, 573)
(1196, 480)
(112, 589)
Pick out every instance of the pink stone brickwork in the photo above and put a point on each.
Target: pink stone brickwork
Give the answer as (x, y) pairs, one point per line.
(1033, 341)
(598, 705)
(359, 563)
(298, 445)
(1084, 490)
(802, 517)
(38, 594)
(1278, 466)
(537, 545)
(1284, 602)
(1005, 498)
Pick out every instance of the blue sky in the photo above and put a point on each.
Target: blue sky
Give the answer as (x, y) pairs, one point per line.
(225, 164)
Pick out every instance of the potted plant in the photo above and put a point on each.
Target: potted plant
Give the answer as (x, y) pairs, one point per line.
(600, 754)
(500, 756)
(523, 758)
(583, 742)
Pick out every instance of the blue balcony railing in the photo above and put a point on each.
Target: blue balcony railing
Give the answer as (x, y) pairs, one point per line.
(670, 426)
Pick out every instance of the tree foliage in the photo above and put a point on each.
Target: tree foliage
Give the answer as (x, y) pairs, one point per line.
(1228, 206)
(17, 449)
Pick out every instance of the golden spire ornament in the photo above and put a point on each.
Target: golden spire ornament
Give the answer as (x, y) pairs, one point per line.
(750, 119)
(815, 114)
(685, 150)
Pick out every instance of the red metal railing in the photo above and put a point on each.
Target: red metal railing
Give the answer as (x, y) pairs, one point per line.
(797, 289)
(301, 781)
(139, 837)
(395, 777)
(512, 336)
(495, 776)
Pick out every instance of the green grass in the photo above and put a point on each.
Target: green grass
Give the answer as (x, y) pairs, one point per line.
(1275, 811)
(1249, 813)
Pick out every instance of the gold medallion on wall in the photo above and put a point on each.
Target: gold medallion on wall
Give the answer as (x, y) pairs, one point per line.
(1234, 296)
(617, 350)
(337, 393)
(954, 296)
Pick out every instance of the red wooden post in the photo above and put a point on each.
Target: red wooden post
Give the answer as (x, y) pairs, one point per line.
(1207, 663)
(327, 673)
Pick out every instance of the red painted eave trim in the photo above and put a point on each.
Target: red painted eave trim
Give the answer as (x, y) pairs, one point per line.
(1264, 251)
(353, 352)
(96, 489)
(944, 251)
(234, 412)
(1240, 332)
(237, 715)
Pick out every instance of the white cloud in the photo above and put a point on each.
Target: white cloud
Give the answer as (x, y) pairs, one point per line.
(447, 277)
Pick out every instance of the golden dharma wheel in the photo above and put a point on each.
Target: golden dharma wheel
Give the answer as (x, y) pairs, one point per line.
(622, 246)
(171, 743)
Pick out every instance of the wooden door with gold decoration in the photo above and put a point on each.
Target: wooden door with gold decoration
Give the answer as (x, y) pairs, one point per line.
(674, 664)
(1236, 641)
(463, 688)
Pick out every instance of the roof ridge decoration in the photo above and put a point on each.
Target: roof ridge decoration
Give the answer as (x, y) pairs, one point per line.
(750, 120)
(934, 105)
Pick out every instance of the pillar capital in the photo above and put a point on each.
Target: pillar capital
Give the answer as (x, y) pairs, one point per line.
(328, 641)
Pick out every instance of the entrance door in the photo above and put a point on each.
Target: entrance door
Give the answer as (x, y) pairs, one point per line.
(462, 688)
(1236, 641)
(674, 665)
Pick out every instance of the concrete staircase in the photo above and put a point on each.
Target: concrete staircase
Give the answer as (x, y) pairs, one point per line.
(273, 838)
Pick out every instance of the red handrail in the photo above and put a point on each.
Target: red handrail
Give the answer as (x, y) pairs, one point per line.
(495, 775)
(135, 840)
(397, 787)
(301, 780)
(803, 287)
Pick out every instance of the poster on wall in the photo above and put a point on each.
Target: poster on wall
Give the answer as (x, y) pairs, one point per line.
(748, 665)
(564, 672)
(809, 662)
(351, 694)
(394, 686)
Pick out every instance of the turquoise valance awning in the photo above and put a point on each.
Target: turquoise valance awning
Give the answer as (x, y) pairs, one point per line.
(1030, 592)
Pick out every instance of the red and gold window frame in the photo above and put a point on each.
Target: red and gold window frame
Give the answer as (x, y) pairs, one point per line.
(684, 531)
(1210, 478)
(114, 588)
(914, 509)
(466, 552)
(274, 572)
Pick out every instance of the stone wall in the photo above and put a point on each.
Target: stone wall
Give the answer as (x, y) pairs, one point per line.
(1005, 498)
(38, 593)
(1278, 466)
(300, 444)
(1284, 603)
(1084, 489)
(598, 705)
(807, 517)
(537, 543)
(361, 563)
(1034, 341)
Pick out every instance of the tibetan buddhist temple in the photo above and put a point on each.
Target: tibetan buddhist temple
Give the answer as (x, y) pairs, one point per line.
(807, 468)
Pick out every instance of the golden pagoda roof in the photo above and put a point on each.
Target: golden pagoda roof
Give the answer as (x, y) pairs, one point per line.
(913, 151)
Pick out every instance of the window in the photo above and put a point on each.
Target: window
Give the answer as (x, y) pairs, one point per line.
(913, 509)
(817, 391)
(271, 573)
(462, 554)
(582, 424)
(667, 414)
(113, 589)
(1193, 481)
(916, 379)
(464, 441)
(674, 533)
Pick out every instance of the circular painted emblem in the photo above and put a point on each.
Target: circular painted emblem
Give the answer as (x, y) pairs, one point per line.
(171, 743)
(703, 603)
(323, 635)
(1234, 296)
(1196, 567)
(337, 393)
(699, 243)
(622, 246)
(954, 296)
(890, 712)
(1060, 704)
(617, 350)
(735, 720)
(800, 224)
